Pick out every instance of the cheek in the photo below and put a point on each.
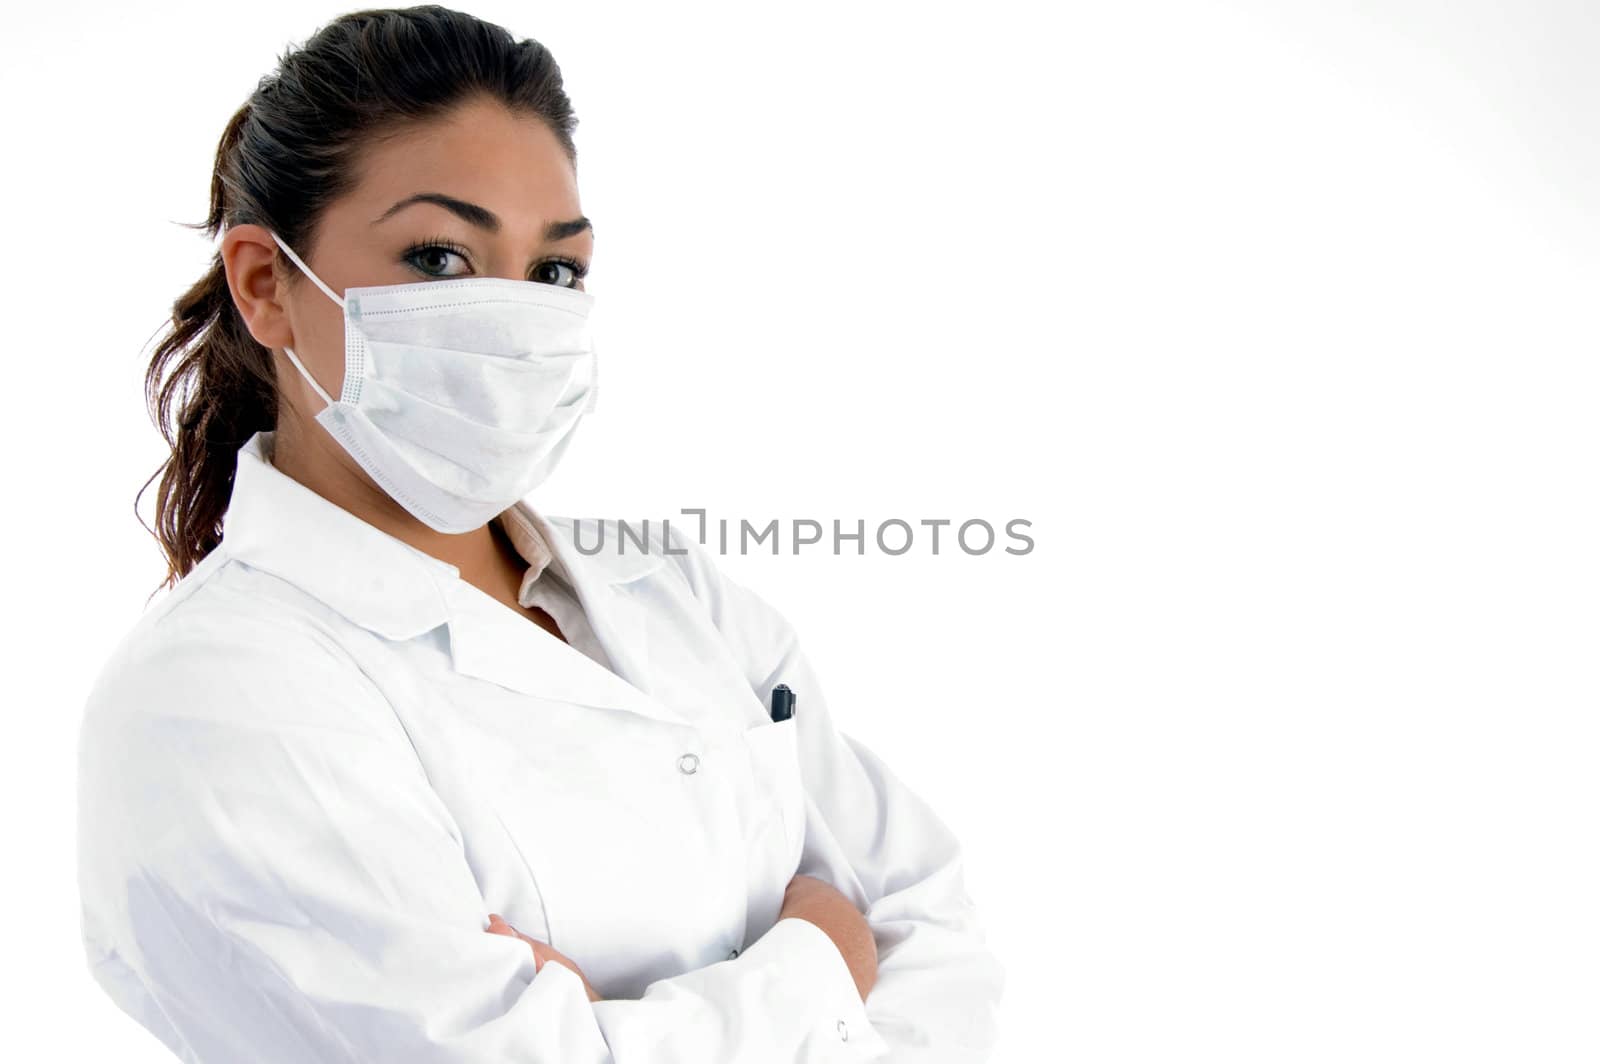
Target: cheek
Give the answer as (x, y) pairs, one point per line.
(318, 343)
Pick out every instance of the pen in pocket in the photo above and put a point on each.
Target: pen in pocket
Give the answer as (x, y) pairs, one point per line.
(782, 702)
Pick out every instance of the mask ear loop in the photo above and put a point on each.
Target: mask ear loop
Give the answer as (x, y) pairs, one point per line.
(306, 374)
(289, 251)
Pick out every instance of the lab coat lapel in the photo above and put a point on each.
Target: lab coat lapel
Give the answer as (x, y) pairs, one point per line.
(605, 588)
(493, 642)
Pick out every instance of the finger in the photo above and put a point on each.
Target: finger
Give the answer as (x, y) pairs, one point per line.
(568, 964)
(497, 926)
(511, 933)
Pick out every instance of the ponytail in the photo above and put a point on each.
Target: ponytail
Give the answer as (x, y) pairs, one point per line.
(209, 388)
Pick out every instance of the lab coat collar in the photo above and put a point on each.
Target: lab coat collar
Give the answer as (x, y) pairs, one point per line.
(491, 642)
(276, 524)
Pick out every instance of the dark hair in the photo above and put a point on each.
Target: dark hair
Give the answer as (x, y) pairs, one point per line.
(284, 156)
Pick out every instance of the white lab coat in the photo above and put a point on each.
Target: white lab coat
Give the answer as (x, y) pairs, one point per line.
(313, 768)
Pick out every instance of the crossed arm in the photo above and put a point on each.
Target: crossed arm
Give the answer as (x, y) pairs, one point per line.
(264, 863)
(807, 898)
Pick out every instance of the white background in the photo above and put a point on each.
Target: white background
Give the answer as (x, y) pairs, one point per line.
(1277, 322)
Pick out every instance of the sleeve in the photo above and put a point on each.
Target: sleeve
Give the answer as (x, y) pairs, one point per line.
(267, 875)
(937, 994)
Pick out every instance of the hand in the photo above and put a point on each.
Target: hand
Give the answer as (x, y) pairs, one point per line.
(823, 904)
(542, 951)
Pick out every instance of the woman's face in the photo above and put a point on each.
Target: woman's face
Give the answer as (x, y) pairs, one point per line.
(484, 192)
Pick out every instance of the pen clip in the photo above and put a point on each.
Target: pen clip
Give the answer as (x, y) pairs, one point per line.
(782, 703)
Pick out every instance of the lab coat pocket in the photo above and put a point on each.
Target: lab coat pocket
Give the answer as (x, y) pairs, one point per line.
(778, 809)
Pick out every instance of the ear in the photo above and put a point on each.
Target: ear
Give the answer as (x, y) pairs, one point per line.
(248, 256)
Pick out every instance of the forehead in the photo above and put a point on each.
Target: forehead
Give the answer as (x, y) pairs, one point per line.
(510, 162)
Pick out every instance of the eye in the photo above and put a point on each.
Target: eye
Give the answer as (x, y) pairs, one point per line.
(565, 273)
(431, 257)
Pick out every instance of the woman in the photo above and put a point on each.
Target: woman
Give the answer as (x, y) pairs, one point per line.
(392, 744)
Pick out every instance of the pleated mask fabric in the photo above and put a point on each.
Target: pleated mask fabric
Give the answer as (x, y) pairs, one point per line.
(461, 395)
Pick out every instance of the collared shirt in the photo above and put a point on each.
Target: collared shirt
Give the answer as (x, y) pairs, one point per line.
(316, 765)
(545, 583)
(546, 586)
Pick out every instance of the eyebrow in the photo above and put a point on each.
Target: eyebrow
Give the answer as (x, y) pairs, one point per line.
(483, 217)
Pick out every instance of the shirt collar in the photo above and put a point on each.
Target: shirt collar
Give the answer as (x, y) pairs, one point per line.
(522, 528)
(276, 524)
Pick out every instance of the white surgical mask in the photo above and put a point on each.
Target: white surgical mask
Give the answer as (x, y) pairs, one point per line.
(460, 395)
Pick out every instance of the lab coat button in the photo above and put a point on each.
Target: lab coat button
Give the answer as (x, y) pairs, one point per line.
(688, 764)
(844, 1032)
